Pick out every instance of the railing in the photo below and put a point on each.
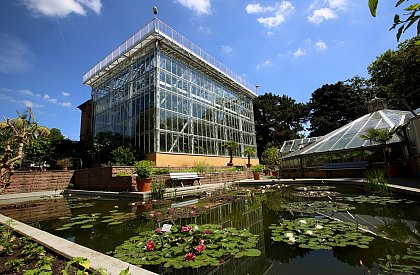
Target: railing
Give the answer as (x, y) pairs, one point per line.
(158, 26)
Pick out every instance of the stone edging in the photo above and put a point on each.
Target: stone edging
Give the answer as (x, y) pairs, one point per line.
(71, 250)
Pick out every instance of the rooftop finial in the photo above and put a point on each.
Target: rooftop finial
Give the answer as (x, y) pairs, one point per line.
(155, 11)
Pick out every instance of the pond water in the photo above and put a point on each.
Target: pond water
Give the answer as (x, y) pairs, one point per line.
(103, 225)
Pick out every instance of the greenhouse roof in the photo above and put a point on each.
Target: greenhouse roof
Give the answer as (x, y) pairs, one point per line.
(290, 146)
(348, 136)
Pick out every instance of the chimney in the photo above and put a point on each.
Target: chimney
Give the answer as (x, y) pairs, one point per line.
(377, 104)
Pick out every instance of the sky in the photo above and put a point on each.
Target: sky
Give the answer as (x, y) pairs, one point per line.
(285, 47)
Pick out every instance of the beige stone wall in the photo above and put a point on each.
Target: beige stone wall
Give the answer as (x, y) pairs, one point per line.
(35, 181)
(166, 159)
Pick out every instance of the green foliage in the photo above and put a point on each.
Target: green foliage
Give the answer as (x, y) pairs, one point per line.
(381, 137)
(122, 174)
(373, 200)
(402, 24)
(257, 168)
(249, 152)
(317, 206)
(123, 156)
(143, 169)
(157, 190)
(277, 119)
(104, 143)
(376, 183)
(189, 246)
(77, 261)
(408, 263)
(201, 167)
(395, 75)
(162, 171)
(65, 162)
(271, 157)
(16, 133)
(335, 105)
(319, 233)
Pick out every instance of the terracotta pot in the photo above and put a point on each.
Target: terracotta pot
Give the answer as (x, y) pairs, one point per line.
(257, 176)
(248, 165)
(143, 185)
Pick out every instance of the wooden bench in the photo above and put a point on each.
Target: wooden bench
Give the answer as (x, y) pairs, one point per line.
(185, 178)
(356, 165)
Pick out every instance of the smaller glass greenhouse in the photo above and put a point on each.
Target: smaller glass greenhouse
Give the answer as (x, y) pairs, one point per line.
(345, 143)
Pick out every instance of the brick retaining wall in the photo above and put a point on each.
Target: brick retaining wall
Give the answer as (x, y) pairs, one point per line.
(105, 179)
(35, 181)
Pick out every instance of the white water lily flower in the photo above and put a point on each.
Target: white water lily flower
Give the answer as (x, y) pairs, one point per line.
(289, 235)
(302, 221)
(318, 226)
(292, 239)
(309, 232)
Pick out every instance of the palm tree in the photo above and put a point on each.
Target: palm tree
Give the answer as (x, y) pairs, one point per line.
(381, 137)
(18, 131)
(249, 152)
(231, 146)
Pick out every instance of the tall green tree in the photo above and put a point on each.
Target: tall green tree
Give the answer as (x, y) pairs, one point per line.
(277, 119)
(395, 75)
(16, 133)
(335, 105)
(410, 13)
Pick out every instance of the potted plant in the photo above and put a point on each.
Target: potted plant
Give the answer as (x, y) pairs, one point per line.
(143, 171)
(271, 157)
(249, 152)
(256, 170)
(64, 163)
(231, 146)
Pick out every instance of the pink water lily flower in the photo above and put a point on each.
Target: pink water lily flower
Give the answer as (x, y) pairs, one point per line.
(207, 232)
(186, 228)
(199, 248)
(189, 256)
(150, 245)
(158, 230)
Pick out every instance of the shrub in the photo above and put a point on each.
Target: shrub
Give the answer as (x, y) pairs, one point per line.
(65, 162)
(271, 157)
(122, 174)
(257, 168)
(200, 167)
(143, 169)
(161, 171)
(157, 190)
(123, 156)
(376, 182)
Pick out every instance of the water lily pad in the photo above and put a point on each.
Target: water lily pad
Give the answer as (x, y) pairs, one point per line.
(317, 206)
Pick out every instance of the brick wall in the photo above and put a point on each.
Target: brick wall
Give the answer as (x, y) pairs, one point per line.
(28, 212)
(105, 178)
(35, 181)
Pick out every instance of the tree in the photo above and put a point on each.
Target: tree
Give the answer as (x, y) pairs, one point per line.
(402, 24)
(103, 144)
(16, 133)
(249, 152)
(277, 119)
(231, 146)
(335, 105)
(271, 157)
(123, 156)
(395, 75)
(381, 137)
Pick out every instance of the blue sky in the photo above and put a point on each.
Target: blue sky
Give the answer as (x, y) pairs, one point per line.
(286, 47)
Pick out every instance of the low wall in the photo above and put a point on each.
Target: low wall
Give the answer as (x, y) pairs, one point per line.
(35, 181)
(105, 179)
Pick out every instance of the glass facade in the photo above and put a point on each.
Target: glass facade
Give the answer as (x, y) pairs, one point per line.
(164, 105)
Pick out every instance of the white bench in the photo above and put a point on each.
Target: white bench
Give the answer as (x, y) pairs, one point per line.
(185, 177)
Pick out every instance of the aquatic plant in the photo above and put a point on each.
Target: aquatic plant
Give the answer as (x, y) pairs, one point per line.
(402, 264)
(373, 200)
(376, 183)
(317, 206)
(314, 188)
(188, 246)
(315, 194)
(319, 233)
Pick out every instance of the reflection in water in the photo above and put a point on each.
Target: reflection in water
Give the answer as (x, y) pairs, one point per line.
(399, 222)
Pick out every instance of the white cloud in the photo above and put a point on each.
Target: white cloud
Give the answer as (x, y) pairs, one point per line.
(29, 93)
(204, 29)
(281, 10)
(66, 94)
(320, 46)
(32, 105)
(66, 104)
(270, 33)
(321, 14)
(257, 8)
(226, 49)
(15, 56)
(265, 64)
(299, 52)
(50, 99)
(62, 8)
(326, 10)
(200, 7)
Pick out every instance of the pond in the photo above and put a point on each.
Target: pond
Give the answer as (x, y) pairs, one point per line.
(290, 223)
